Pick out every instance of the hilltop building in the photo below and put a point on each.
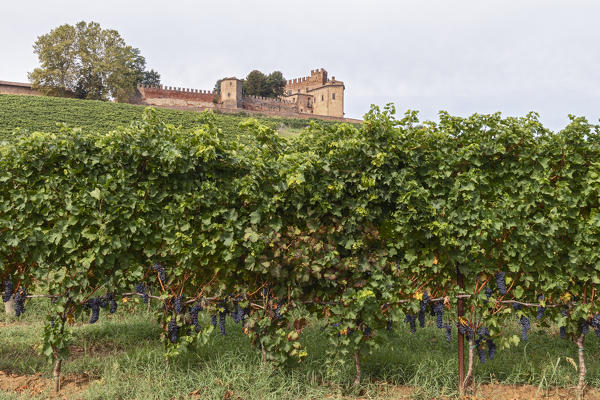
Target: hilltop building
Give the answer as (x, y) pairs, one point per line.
(314, 96)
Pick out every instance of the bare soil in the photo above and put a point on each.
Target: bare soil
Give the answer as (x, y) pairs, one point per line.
(37, 385)
(73, 386)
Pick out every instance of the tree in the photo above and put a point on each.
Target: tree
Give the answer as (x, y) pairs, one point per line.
(259, 84)
(89, 62)
(143, 77)
(275, 84)
(255, 83)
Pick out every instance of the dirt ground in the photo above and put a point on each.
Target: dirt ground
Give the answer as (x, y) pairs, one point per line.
(74, 385)
(36, 384)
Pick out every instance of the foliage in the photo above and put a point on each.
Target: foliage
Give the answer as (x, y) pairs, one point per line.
(88, 62)
(259, 84)
(44, 114)
(359, 224)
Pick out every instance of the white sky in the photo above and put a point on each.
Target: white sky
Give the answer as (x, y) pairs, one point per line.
(463, 56)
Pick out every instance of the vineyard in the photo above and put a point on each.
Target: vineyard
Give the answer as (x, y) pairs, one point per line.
(46, 114)
(485, 225)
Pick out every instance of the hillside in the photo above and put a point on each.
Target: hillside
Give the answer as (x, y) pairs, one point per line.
(43, 113)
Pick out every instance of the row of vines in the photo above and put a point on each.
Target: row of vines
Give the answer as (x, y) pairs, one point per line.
(43, 113)
(366, 227)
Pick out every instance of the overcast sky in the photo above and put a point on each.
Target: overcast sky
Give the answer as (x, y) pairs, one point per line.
(463, 56)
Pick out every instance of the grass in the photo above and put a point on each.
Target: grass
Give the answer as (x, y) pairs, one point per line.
(123, 355)
(37, 113)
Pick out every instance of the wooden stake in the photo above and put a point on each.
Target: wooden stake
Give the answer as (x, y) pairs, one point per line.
(357, 364)
(582, 369)
(56, 375)
(468, 378)
(461, 338)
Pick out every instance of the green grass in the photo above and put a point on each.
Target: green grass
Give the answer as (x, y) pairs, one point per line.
(123, 355)
(36, 113)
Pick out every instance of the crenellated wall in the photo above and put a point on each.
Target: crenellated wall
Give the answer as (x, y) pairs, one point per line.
(317, 78)
(172, 96)
(314, 96)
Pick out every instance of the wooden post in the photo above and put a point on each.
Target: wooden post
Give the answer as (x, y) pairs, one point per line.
(357, 365)
(10, 306)
(461, 338)
(56, 375)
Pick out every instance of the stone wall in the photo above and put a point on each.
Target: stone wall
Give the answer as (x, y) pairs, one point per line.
(318, 77)
(256, 103)
(18, 88)
(179, 97)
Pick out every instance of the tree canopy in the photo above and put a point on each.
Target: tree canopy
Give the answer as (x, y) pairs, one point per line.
(89, 62)
(259, 84)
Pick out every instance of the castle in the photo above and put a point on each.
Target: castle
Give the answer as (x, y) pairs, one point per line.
(314, 96)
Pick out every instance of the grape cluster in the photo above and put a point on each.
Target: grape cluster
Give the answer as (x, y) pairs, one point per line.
(110, 298)
(448, 328)
(178, 307)
(94, 305)
(238, 314)
(480, 350)
(162, 275)
(8, 291)
(421, 317)
(540, 310)
(410, 319)
(438, 310)
(563, 329)
(389, 325)
(422, 309)
(585, 326)
(594, 322)
(141, 289)
(173, 330)
(20, 296)
(366, 331)
(213, 320)
(491, 349)
(194, 313)
(466, 330)
(501, 282)
(488, 293)
(277, 309)
(483, 331)
(525, 326)
(222, 315)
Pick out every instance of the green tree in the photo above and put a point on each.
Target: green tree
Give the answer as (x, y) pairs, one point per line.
(88, 62)
(142, 76)
(275, 84)
(259, 84)
(255, 83)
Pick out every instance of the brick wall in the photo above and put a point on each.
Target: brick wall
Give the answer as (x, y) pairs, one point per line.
(174, 96)
(17, 88)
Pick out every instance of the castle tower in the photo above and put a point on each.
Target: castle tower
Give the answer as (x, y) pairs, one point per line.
(231, 93)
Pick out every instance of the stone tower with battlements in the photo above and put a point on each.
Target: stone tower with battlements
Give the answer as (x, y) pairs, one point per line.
(316, 94)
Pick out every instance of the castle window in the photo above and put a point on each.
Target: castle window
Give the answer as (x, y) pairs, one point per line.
(307, 89)
(298, 90)
(228, 94)
(230, 83)
(332, 96)
(322, 98)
